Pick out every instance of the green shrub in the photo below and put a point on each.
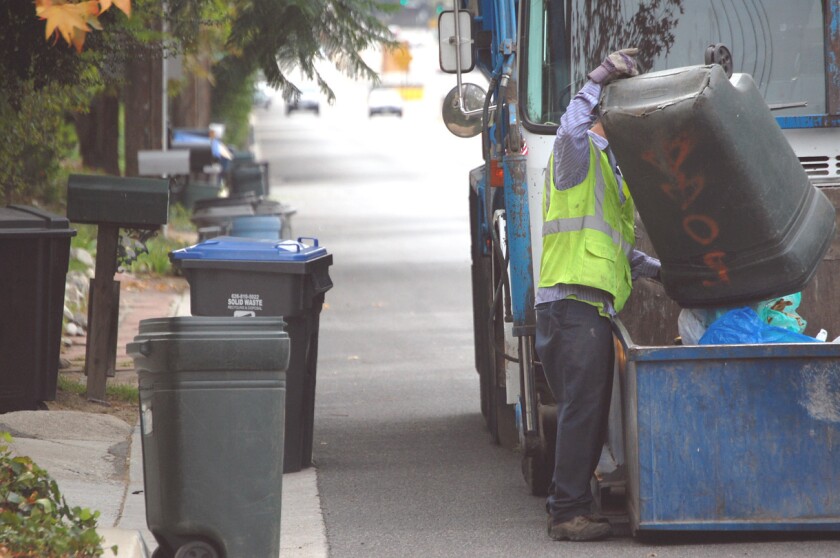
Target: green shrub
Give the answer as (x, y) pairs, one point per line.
(35, 520)
(85, 239)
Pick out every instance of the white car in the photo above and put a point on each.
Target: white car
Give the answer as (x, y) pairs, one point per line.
(309, 99)
(385, 101)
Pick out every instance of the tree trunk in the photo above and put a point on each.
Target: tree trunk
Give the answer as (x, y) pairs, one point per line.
(143, 107)
(191, 108)
(98, 133)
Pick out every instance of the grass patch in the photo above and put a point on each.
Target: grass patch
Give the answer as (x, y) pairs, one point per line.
(179, 218)
(119, 392)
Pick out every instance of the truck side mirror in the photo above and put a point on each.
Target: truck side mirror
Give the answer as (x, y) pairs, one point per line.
(462, 110)
(452, 34)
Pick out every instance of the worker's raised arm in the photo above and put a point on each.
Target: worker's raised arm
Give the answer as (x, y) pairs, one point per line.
(571, 146)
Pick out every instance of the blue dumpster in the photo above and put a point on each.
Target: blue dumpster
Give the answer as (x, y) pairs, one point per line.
(732, 437)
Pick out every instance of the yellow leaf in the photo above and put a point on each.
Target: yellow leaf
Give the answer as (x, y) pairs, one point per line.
(93, 21)
(124, 5)
(68, 20)
(73, 20)
(79, 39)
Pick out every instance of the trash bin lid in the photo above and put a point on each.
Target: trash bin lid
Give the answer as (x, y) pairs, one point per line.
(20, 220)
(252, 249)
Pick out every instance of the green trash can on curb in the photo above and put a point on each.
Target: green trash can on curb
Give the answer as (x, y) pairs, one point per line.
(245, 277)
(212, 400)
(34, 254)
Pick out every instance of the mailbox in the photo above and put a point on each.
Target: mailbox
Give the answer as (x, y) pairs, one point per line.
(139, 203)
(163, 163)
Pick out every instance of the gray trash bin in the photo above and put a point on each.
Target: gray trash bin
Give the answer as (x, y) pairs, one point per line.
(258, 277)
(212, 409)
(35, 252)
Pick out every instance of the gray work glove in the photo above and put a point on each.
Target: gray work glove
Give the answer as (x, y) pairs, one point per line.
(617, 65)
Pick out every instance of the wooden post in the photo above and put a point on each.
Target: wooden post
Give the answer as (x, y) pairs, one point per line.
(101, 324)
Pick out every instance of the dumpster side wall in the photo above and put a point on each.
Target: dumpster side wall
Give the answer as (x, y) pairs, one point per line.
(726, 441)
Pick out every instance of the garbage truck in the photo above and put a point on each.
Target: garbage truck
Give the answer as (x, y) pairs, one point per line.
(701, 437)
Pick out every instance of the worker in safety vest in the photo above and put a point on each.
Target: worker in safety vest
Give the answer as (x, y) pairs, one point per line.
(586, 272)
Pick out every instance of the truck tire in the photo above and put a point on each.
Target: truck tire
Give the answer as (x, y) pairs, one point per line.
(506, 433)
(479, 271)
(538, 466)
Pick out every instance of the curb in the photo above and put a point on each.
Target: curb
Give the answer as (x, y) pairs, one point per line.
(129, 543)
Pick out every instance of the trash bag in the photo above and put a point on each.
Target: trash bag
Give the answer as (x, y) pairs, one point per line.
(692, 323)
(743, 325)
(781, 312)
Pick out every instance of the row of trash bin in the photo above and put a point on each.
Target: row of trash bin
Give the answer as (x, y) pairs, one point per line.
(226, 395)
(242, 215)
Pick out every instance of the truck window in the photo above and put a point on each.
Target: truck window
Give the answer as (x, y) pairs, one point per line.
(779, 42)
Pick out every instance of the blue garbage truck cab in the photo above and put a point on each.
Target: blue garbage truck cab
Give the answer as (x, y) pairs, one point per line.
(719, 437)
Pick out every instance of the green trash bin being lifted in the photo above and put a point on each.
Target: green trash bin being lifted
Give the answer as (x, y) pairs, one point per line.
(212, 400)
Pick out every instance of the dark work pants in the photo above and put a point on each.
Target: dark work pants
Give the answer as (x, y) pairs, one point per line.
(575, 345)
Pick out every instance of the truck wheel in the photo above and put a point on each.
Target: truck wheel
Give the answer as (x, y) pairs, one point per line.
(479, 272)
(482, 360)
(505, 434)
(538, 468)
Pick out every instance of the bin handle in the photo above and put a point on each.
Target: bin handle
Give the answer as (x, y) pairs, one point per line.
(312, 238)
(145, 348)
(299, 245)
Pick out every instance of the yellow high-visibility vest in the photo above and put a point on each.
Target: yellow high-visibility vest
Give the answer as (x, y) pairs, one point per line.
(588, 233)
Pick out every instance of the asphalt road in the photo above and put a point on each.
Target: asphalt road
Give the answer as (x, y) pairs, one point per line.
(404, 463)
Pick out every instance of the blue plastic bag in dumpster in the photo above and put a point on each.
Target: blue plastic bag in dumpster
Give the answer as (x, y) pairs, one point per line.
(743, 325)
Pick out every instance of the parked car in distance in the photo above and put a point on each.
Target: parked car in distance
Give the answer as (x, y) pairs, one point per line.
(309, 99)
(383, 100)
(262, 98)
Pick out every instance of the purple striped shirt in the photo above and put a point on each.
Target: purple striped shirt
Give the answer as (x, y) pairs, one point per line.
(571, 165)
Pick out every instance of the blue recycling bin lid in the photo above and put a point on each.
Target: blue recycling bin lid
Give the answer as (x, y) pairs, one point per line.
(190, 137)
(229, 248)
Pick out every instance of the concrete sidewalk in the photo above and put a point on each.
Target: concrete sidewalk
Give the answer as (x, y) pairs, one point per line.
(97, 461)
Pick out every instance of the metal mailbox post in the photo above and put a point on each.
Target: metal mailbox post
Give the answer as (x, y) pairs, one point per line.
(110, 203)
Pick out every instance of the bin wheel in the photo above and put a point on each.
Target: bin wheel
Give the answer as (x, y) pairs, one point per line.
(196, 549)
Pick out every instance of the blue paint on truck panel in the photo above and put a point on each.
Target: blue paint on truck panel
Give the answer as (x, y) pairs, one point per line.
(734, 437)
(517, 214)
(810, 121)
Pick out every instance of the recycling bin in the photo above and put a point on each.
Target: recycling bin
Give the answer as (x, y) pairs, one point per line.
(256, 226)
(193, 191)
(35, 251)
(249, 176)
(212, 397)
(249, 277)
(213, 217)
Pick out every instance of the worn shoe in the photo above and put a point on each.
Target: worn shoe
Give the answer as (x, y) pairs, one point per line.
(580, 528)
